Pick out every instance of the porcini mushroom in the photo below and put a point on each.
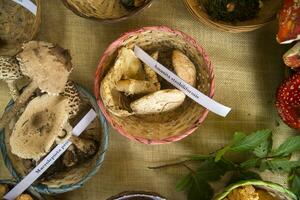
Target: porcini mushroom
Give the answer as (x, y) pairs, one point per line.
(127, 66)
(39, 126)
(10, 72)
(47, 65)
(184, 67)
(158, 102)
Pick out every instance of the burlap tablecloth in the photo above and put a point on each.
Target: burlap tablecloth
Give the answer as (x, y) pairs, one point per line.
(248, 69)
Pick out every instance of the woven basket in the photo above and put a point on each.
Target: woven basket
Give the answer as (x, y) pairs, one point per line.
(29, 191)
(137, 195)
(165, 127)
(277, 190)
(65, 181)
(104, 10)
(266, 14)
(17, 25)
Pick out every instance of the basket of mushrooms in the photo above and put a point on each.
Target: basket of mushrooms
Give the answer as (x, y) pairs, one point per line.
(107, 10)
(139, 103)
(17, 25)
(43, 115)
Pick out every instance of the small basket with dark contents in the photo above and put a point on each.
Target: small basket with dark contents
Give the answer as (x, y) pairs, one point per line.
(234, 15)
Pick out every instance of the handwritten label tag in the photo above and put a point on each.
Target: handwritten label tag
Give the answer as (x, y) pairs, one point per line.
(180, 84)
(50, 158)
(28, 5)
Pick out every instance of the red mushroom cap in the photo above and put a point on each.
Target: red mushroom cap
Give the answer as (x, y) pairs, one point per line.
(288, 101)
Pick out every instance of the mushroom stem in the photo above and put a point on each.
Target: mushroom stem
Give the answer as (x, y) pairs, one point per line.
(13, 90)
(87, 146)
(19, 103)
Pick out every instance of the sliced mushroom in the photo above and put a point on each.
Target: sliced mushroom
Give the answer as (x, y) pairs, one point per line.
(130, 65)
(132, 86)
(10, 72)
(158, 102)
(184, 67)
(150, 73)
(47, 65)
(126, 66)
(38, 127)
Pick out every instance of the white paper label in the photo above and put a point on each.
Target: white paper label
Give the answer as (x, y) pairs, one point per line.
(50, 158)
(28, 5)
(180, 84)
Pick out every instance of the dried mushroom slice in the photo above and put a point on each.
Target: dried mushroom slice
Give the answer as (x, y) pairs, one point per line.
(158, 102)
(39, 126)
(132, 86)
(151, 74)
(127, 66)
(130, 65)
(10, 73)
(47, 65)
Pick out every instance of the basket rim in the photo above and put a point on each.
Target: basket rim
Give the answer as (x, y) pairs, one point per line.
(113, 20)
(44, 189)
(116, 44)
(225, 26)
(36, 24)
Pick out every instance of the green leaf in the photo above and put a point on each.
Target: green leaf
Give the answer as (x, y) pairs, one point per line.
(185, 183)
(295, 184)
(210, 170)
(221, 153)
(239, 175)
(238, 136)
(251, 163)
(200, 190)
(291, 145)
(263, 149)
(251, 141)
(279, 165)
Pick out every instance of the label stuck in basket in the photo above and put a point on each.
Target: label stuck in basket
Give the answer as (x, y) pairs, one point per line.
(50, 158)
(180, 84)
(28, 5)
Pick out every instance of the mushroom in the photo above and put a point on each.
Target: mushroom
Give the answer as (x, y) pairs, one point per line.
(39, 126)
(24, 197)
(3, 190)
(184, 67)
(86, 146)
(158, 102)
(70, 158)
(127, 66)
(74, 100)
(150, 73)
(132, 86)
(47, 65)
(10, 72)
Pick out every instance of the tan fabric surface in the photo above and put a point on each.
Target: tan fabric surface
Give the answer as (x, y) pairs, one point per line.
(248, 69)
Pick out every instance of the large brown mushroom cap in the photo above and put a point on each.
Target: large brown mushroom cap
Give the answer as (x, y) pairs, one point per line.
(48, 65)
(39, 126)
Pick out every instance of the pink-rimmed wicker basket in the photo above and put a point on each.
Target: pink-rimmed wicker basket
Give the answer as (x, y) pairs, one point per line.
(167, 127)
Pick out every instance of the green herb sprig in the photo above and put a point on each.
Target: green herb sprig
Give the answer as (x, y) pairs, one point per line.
(262, 157)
